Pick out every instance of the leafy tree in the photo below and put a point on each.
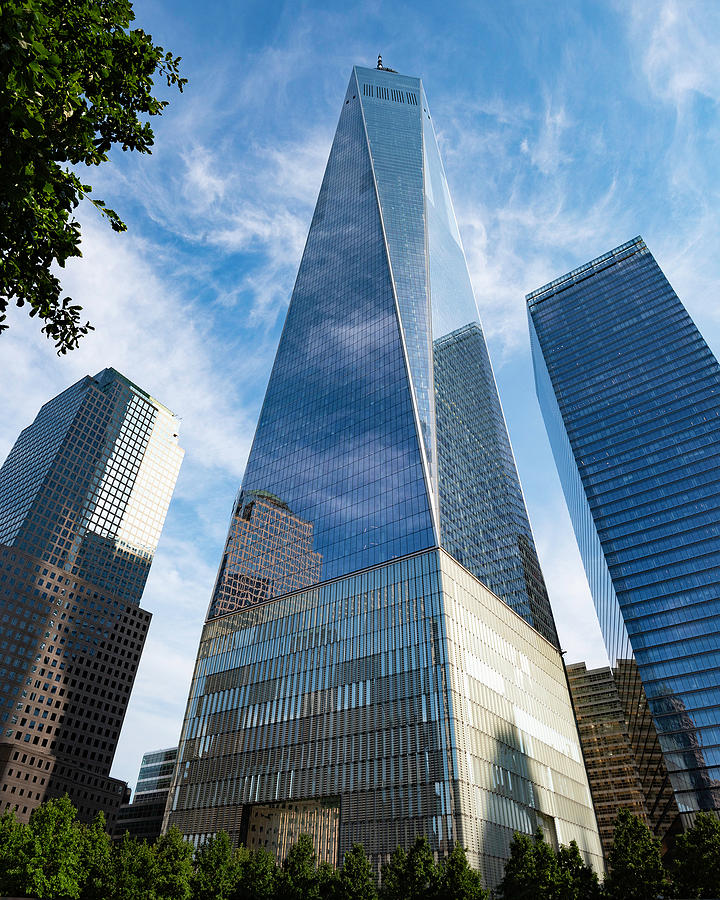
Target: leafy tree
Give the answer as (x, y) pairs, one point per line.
(217, 868)
(421, 872)
(635, 867)
(696, 863)
(259, 877)
(173, 866)
(410, 876)
(579, 881)
(519, 880)
(12, 840)
(355, 879)
(299, 878)
(392, 882)
(550, 882)
(75, 80)
(457, 881)
(132, 871)
(95, 859)
(327, 881)
(536, 872)
(49, 856)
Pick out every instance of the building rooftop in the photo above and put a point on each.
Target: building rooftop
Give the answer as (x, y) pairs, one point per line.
(636, 245)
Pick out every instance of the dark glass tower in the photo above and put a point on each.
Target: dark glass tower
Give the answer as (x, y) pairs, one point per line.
(630, 393)
(612, 770)
(83, 497)
(380, 658)
(142, 819)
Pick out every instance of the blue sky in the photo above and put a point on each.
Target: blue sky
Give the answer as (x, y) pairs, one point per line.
(566, 129)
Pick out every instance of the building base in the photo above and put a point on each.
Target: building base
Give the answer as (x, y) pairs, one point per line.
(409, 694)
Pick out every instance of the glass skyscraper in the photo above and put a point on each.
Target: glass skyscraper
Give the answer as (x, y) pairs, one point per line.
(83, 498)
(379, 658)
(630, 393)
(142, 819)
(612, 770)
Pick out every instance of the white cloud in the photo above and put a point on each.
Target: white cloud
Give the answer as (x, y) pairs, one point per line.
(515, 247)
(547, 152)
(680, 41)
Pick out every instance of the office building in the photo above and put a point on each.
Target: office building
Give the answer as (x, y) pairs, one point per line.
(83, 497)
(612, 771)
(630, 393)
(142, 819)
(409, 681)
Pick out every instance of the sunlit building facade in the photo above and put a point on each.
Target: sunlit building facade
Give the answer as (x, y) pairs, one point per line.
(413, 684)
(609, 758)
(83, 497)
(630, 393)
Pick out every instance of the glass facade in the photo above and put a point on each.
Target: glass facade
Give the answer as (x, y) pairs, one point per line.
(407, 696)
(83, 496)
(630, 393)
(483, 520)
(86, 487)
(348, 445)
(268, 553)
(346, 681)
(613, 774)
(142, 819)
(156, 771)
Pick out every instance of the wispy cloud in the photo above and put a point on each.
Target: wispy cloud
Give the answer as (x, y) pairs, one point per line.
(680, 41)
(549, 151)
(530, 217)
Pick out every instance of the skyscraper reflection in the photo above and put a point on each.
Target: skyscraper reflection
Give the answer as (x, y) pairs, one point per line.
(268, 553)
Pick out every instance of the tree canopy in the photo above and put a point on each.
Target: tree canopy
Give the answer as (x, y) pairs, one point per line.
(695, 865)
(75, 81)
(535, 871)
(55, 857)
(635, 869)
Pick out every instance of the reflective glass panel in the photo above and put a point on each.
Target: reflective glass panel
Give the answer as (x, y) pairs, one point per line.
(631, 397)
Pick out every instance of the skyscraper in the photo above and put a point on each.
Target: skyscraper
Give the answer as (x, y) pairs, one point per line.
(83, 497)
(630, 393)
(142, 819)
(411, 682)
(612, 771)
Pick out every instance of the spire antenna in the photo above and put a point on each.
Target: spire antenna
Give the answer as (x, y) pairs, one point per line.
(379, 65)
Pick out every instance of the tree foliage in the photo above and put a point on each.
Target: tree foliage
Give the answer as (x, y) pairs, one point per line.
(299, 879)
(696, 859)
(217, 869)
(393, 876)
(55, 857)
(579, 880)
(12, 837)
(635, 869)
(131, 875)
(456, 880)
(173, 867)
(259, 878)
(75, 80)
(49, 861)
(95, 859)
(355, 879)
(535, 871)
